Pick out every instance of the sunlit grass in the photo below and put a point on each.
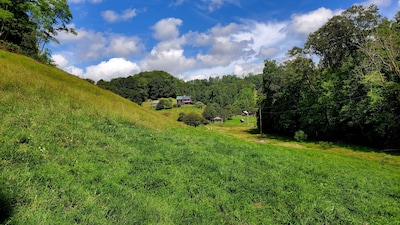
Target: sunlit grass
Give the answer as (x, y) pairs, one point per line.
(72, 153)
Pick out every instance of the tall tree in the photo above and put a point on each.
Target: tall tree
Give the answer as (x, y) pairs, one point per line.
(50, 17)
(343, 35)
(31, 24)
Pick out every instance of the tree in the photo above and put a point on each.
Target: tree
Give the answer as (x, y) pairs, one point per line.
(161, 84)
(31, 24)
(246, 100)
(193, 119)
(50, 17)
(211, 111)
(164, 104)
(353, 96)
(343, 35)
(16, 25)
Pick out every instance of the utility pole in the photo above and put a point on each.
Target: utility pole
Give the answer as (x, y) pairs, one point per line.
(260, 123)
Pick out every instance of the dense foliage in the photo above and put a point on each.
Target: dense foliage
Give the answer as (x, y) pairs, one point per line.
(228, 95)
(192, 119)
(352, 95)
(145, 85)
(26, 26)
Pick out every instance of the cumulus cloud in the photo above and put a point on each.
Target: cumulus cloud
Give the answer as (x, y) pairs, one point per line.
(172, 61)
(74, 70)
(59, 60)
(124, 46)
(248, 68)
(113, 68)
(263, 35)
(224, 51)
(92, 45)
(111, 16)
(305, 24)
(235, 48)
(167, 28)
(267, 52)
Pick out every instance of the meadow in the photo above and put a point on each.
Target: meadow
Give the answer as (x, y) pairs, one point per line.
(72, 153)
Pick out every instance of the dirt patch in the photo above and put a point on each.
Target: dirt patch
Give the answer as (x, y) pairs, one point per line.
(288, 144)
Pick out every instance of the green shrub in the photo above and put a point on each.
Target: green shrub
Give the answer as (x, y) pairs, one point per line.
(325, 144)
(164, 104)
(300, 136)
(181, 116)
(193, 119)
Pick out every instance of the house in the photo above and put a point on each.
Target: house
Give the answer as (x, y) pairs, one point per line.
(182, 100)
(218, 120)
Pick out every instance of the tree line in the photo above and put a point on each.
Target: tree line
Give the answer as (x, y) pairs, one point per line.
(26, 26)
(352, 94)
(221, 96)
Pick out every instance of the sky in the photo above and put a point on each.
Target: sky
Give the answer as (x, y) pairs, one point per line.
(190, 39)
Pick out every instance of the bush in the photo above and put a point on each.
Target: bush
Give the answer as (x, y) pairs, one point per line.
(192, 119)
(181, 116)
(164, 104)
(300, 136)
(325, 144)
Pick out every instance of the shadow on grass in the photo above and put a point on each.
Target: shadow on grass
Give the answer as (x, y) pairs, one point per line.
(341, 144)
(255, 131)
(6, 208)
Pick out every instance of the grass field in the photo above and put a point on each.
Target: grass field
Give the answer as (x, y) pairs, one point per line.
(72, 153)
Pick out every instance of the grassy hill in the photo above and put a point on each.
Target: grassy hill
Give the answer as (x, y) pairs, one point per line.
(72, 153)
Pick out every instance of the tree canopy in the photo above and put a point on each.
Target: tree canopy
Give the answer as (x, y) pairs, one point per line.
(31, 24)
(352, 95)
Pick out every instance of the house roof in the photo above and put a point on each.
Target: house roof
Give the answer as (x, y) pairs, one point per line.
(183, 97)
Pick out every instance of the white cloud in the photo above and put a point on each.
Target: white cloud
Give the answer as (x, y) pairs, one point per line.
(74, 70)
(172, 61)
(213, 5)
(167, 28)
(267, 52)
(263, 35)
(59, 60)
(123, 46)
(380, 3)
(220, 30)
(305, 24)
(113, 68)
(92, 45)
(111, 16)
(224, 51)
(245, 69)
(235, 48)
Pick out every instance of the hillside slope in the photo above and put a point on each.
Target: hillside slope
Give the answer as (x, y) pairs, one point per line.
(71, 153)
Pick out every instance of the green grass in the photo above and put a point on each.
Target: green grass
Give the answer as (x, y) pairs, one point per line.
(72, 153)
(174, 112)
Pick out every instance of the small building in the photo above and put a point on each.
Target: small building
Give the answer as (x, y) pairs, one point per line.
(183, 100)
(155, 103)
(218, 120)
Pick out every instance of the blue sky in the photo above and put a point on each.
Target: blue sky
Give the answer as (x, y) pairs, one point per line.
(190, 39)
